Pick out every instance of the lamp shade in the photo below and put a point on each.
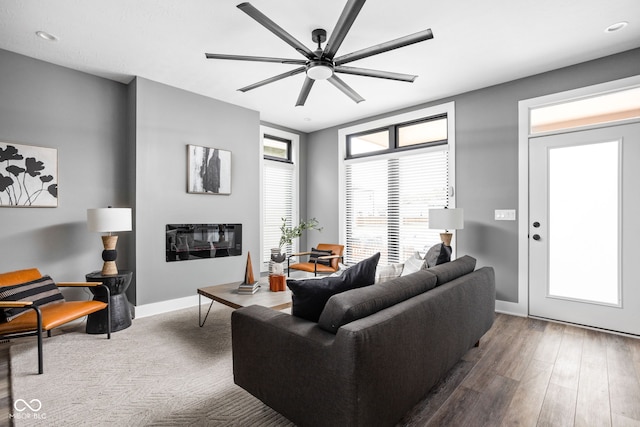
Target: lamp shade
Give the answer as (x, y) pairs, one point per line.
(109, 220)
(446, 219)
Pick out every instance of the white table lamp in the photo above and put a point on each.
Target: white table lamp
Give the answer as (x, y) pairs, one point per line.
(109, 220)
(446, 219)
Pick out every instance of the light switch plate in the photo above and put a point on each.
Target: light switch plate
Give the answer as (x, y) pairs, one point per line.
(505, 214)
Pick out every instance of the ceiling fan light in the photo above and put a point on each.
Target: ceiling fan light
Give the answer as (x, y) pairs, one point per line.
(319, 72)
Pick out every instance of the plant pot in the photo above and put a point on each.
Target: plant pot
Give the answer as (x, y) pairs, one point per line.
(277, 283)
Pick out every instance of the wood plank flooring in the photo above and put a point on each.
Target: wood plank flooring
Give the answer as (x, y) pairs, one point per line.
(529, 372)
(526, 372)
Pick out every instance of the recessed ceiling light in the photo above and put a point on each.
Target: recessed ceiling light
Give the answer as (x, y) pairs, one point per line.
(616, 27)
(46, 36)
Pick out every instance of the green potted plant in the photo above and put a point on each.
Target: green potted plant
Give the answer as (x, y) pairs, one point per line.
(290, 233)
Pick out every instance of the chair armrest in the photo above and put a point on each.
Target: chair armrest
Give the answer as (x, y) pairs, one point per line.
(330, 256)
(15, 304)
(78, 284)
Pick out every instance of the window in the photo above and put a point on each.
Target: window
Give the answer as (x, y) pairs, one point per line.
(367, 143)
(276, 148)
(586, 111)
(423, 132)
(279, 187)
(388, 191)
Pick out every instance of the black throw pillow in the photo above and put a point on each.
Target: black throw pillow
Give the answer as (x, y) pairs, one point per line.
(311, 295)
(316, 253)
(41, 292)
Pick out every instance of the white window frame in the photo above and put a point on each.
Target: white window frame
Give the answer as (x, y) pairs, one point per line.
(447, 108)
(295, 158)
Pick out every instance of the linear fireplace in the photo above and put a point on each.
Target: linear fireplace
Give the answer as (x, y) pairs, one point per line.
(197, 241)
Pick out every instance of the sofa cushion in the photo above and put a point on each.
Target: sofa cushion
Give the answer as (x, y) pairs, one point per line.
(310, 296)
(41, 292)
(413, 264)
(452, 270)
(359, 303)
(438, 254)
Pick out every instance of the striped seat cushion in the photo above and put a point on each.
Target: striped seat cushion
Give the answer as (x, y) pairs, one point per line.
(41, 292)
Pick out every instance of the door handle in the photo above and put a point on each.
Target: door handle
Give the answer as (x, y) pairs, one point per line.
(536, 224)
(536, 237)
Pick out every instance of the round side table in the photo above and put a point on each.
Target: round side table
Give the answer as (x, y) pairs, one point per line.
(118, 304)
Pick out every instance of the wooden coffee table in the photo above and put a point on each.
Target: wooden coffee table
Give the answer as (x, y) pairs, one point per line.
(228, 295)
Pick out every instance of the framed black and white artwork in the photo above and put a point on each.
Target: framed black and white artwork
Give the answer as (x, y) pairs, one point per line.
(209, 170)
(28, 176)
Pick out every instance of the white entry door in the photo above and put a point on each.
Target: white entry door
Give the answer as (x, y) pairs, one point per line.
(584, 231)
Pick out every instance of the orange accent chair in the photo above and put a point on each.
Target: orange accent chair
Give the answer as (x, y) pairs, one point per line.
(331, 262)
(46, 317)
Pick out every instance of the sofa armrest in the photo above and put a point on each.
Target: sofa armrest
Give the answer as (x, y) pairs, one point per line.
(257, 324)
(274, 352)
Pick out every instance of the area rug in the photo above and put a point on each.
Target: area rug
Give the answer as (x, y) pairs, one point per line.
(162, 371)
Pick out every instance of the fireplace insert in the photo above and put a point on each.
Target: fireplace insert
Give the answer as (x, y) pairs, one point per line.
(197, 241)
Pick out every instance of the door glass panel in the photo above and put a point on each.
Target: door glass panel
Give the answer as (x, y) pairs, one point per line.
(584, 222)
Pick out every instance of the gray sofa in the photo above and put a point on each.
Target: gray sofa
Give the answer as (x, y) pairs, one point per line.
(375, 352)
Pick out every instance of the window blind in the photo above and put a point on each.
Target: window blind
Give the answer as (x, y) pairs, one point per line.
(388, 200)
(277, 193)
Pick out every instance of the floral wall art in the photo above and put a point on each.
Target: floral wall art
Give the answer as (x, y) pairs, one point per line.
(28, 176)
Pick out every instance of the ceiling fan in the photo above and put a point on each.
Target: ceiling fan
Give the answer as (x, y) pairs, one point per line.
(322, 64)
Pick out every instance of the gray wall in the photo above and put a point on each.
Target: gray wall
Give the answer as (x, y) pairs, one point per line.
(322, 184)
(84, 118)
(126, 146)
(167, 120)
(486, 161)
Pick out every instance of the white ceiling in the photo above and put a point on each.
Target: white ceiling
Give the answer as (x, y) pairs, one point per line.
(476, 44)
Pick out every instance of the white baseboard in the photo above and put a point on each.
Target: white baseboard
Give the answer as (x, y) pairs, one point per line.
(152, 309)
(512, 308)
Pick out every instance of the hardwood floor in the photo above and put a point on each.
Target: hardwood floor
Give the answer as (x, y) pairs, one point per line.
(529, 372)
(526, 372)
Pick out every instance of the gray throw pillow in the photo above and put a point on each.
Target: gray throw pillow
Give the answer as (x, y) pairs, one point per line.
(438, 254)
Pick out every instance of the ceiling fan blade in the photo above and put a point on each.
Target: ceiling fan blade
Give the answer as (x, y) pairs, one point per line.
(348, 16)
(304, 92)
(273, 79)
(345, 88)
(375, 73)
(385, 47)
(255, 58)
(275, 29)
